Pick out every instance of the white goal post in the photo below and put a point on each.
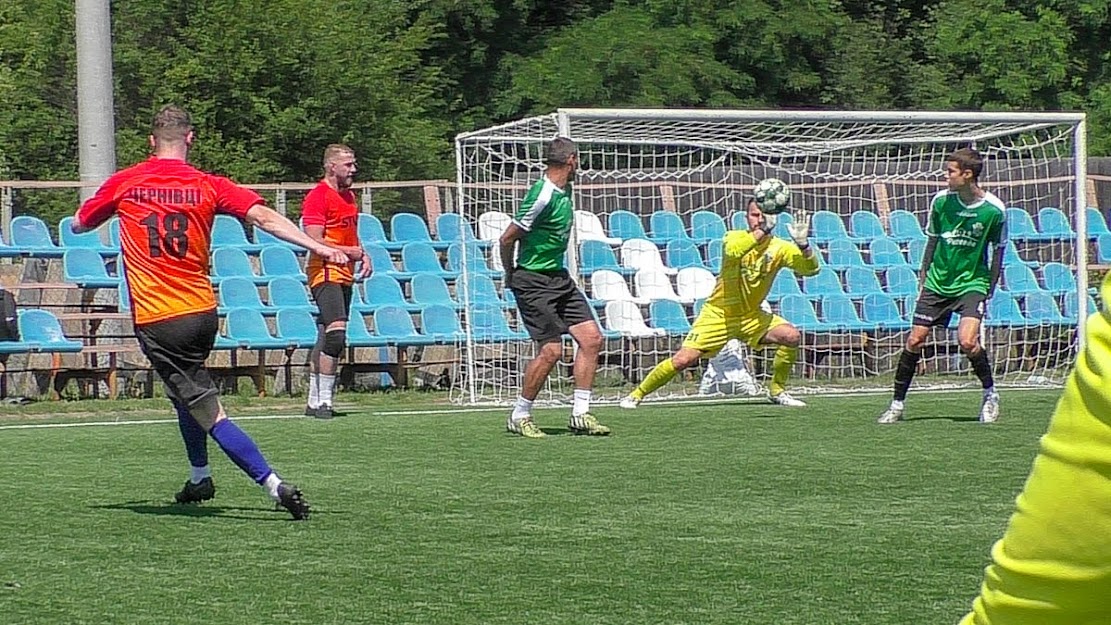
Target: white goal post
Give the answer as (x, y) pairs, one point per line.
(656, 187)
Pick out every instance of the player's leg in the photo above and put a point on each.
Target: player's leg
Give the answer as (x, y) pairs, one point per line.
(334, 302)
(930, 310)
(708, 334)
(971, 311)
(787, 338)
(177, 349)
(1053, 564)
(537, 303)
(576, 314)
(199, 487)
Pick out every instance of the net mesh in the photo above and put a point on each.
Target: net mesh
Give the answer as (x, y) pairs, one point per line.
(654, 195)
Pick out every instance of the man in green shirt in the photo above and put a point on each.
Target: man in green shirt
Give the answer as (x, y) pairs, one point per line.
(956, 277)
(548, 299)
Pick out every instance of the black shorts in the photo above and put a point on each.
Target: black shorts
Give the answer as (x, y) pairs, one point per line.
(177, 349)
(550, 303)
(936, 310)
(333, 300)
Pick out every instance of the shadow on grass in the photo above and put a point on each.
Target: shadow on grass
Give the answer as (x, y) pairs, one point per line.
(158, 508)
(975, 419)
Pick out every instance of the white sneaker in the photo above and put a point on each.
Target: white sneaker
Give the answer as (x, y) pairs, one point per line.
(629, 402)
(785, 399)
(893, 414)
(989, 410)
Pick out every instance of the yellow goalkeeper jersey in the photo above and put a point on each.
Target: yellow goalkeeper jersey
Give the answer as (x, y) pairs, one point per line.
(747, 271)
(1053, 564)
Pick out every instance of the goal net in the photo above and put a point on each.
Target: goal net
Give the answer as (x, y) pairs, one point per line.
(657, 189)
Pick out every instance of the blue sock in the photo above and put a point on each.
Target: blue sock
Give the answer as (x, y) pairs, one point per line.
(241, 449)
(196, 439)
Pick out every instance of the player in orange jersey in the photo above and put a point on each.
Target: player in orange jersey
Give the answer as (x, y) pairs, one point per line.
(166, 209)
(330, 215)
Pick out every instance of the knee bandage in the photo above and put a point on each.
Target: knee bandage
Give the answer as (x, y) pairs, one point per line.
(334, 342)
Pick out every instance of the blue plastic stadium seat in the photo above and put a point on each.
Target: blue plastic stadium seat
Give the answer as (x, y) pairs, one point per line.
(1097, 223)
(277, 261)
(229, 262)
(429, 289)
(800, 312)
(1020, 226)
(826, 226)
(1003, 311)
(475, 259)
(1020, 280)
(885, 253)
(88, 240)
(358, 335)
(285, 293)
(384, 290)
(481, 290)
(839, 313)
(879, 310)
(1072, 307)
(382, 263)
(453, 228)
(372, 233)
(1012, 257)
(227, 231)
(1058, 278)
(1041, 307)
(683, 253)
(422, 258)
(489, 325)
(32, 238)
(861, 281)
(626, 225)
(667, 226)
(441, 323)
(1054, 225)
(395, 325)
(85, 267)
(783, 284)
(669, 316)
(900, 280)
(866, 226)
(826, 282)
(239, 292)
(114, 233)
(843, 254)
(707, 226)
(406, 228)
(905, 227)
(713, 255)
(297, 327)
(916, 249)
(247, 328)
(596, 255)
(39, 331)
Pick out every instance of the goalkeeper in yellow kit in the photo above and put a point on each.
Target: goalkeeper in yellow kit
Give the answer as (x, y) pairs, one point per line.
(1053, 565)
(750, 260)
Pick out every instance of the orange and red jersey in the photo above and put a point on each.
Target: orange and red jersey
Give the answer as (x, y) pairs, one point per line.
(166, 209)
(337, 213)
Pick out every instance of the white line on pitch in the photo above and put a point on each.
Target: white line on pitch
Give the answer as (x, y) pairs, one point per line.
(79, 424)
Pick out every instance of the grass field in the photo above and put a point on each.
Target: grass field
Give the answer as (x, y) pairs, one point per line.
(702, 514)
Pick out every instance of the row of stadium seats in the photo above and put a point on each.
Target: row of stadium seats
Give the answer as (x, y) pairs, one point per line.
(39, 331)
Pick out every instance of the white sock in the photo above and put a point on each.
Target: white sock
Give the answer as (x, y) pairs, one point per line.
(896, 404)
(271, 485)
(314, 390)
(989, 391)
(582, 402)
(327, 383)
(196, 474)
(522, 409)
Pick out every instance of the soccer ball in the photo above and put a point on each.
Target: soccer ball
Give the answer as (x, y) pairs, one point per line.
(772, 196)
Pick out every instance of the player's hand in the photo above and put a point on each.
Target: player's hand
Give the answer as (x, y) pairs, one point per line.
(799, 229)
(330, 254)
(365, 266)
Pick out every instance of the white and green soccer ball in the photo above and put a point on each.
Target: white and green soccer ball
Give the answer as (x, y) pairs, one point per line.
(772, 195)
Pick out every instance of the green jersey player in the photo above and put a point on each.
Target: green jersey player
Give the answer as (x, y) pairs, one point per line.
(956, 277)
(548, 299)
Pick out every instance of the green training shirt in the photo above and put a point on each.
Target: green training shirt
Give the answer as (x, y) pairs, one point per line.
(960, 261)
(546, 214)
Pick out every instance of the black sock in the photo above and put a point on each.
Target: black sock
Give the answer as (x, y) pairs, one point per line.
(982, 368)
(904, 372)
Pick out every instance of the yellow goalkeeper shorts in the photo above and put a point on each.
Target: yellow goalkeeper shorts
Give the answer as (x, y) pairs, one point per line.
(715, 326)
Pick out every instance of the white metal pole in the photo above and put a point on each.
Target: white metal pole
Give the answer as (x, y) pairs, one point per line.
(1080, 201)
(96, 129)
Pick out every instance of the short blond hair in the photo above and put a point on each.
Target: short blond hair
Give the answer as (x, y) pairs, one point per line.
(171, 124)
(334, 151)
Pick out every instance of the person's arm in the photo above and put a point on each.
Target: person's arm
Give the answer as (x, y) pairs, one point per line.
(261, 216)
(507, 245)
(996, 269)
(927, 258)
(97, 209)
(355, 253)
